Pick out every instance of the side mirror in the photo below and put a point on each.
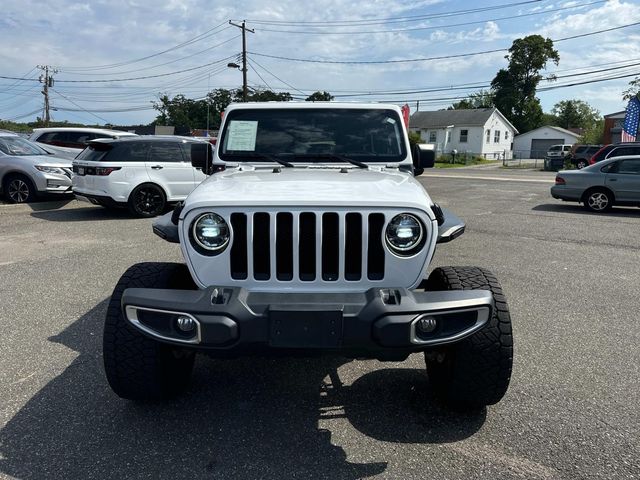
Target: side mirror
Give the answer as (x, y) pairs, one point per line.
(424, 156)
(202, 156)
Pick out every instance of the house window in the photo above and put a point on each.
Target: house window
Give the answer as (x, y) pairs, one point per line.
(506, 135)
(448, 136)
(432, 137)
(496, 136)
(488, 136)
(463, 136)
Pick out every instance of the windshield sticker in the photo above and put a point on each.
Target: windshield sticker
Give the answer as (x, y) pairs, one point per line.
(242, 135)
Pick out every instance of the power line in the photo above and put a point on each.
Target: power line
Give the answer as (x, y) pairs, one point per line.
(432, 27)
(175, 47)
(278, 78)
(426, 59)
(165, 63)
(384, 20)
(81, 108)
(148, 76)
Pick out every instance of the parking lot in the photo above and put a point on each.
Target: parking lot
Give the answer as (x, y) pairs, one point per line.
(572, 411)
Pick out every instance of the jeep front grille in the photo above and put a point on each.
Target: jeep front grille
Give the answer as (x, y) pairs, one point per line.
(307, 246)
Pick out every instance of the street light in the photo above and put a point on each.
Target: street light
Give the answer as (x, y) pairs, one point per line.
(244, 79)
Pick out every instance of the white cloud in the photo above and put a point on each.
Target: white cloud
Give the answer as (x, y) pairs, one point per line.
(70, 33)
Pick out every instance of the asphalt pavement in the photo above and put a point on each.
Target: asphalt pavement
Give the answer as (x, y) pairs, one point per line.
(572, 410)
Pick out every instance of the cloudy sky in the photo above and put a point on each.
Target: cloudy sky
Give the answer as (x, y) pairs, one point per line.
(114, 58)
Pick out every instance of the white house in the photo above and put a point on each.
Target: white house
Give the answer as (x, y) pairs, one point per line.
(482, 131)
(535, 143)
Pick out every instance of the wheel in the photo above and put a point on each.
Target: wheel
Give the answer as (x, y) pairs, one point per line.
(581, 164)
(475, 372)
(18, 189)
(137, 367)
(598, 200)
(147, 200)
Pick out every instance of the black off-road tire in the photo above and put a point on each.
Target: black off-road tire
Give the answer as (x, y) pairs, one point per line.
(138, 367)
(475, 372)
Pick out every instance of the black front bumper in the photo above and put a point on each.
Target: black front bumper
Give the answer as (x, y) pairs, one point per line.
(378, 323)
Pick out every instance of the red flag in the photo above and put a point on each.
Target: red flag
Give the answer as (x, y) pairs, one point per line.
(405, 115)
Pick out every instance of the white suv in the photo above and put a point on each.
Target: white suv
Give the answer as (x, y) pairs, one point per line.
(68, 142)
(141, 173)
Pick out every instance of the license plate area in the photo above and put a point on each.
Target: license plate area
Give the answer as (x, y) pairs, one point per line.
(305, 327)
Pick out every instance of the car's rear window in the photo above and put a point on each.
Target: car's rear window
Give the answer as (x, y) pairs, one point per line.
(92, 154)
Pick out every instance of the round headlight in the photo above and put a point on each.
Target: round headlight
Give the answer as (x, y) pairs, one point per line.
(404, 233)
(210, 232)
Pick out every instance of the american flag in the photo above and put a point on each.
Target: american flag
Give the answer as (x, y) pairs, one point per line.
(630, 126)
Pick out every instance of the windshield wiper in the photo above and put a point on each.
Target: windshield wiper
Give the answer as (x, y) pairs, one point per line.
(271, 158)
(334, 156)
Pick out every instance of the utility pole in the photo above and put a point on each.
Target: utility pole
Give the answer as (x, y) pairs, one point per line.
(244, 29)
(47, 80)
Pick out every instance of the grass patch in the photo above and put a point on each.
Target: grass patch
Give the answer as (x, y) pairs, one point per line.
(468, 163)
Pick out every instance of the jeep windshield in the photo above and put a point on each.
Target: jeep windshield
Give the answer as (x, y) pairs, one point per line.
(313, 135)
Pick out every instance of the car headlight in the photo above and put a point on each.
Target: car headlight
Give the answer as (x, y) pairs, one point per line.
(210, 233)
(404, 234)
(47, 169)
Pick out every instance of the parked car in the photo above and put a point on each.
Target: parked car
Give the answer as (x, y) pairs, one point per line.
(615, 150)
(26, 170)
(554, 159)
(581, 154)
(68, 142)
(614, 181)
(291, 251)
(141, 173)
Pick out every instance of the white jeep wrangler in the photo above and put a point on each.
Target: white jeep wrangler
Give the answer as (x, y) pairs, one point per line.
(312, 236)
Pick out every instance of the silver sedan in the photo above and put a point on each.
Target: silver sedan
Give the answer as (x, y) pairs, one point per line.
(26, 170)
(615, 181)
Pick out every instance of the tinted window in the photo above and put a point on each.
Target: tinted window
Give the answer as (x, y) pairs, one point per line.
(165, 152)
(611, 168)
(620, 151)
(128, 152)
(47, 137)
(92, 154)
(581, 149)
(555, 148)
(373, 135)
(629, 166)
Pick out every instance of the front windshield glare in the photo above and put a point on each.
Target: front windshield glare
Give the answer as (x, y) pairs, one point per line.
(313, 134)
(19, 146)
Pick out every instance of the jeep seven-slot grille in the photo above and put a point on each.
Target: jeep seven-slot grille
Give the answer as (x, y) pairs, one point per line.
(307, 246)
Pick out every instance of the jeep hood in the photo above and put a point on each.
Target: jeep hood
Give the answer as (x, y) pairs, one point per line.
(310, 186)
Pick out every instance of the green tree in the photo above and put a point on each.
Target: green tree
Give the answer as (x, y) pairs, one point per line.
(319, 97)
(633, 90)
(514, 88)
(575, 114)
(182, 111)
(481, 99)
(593, 134)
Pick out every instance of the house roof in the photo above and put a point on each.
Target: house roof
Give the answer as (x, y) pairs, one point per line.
(557, 129)
(616, 114)
(464, 117)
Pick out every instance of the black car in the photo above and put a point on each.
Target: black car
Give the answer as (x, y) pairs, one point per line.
(581, 154)
(615, 150)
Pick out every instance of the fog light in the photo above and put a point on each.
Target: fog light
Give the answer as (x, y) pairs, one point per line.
(427, 324)
(185, 324)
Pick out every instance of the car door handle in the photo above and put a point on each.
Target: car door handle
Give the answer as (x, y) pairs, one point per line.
(157, 167)
(613, 179)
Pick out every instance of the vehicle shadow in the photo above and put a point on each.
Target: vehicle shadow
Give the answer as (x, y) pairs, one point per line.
(248, 418)
(630, 212)
(84, 214)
